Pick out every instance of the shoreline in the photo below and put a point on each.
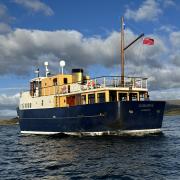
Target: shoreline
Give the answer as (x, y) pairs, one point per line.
(4, 122)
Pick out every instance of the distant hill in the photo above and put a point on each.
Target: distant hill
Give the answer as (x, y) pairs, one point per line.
(12, 121)
(172, 107)
(174, 102)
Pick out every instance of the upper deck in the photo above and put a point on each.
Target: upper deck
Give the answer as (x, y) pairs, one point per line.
(63, 90)
(88, 85)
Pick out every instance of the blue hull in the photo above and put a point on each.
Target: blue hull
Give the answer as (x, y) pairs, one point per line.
(101, 117)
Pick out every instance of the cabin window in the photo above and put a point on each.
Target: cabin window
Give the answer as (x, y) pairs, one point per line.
(141, 96)
(65, 80)
(30, 105)
(112, 96)
(133, 97)
(40, 89)
(101, 97)
(55, 81)
(42, 103)
(31, 88)
(91, 98)
(122, 96)
(37, 83)
(83, 99)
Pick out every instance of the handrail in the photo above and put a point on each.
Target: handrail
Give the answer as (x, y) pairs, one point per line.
(93, 83)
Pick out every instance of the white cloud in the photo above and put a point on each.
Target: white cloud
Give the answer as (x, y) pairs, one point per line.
(167, 94)
(168, 3)
(8, 101)
(149, 11)
(22, 49)
(167, 28)
(4, 16)
(8, 104)
(4, 28)
(32, 47)
(175, 58)
(7, 113)
(175, 39)
(36, 6)
(5, 19)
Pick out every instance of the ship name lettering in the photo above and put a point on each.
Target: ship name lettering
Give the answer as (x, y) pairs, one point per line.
(146, 105)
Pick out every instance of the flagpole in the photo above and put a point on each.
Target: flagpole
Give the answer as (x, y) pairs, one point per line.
(122, 51)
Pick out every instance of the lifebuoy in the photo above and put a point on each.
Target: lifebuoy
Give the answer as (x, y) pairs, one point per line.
(90, 84)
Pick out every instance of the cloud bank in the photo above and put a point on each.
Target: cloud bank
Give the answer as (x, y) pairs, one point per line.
(22, 49)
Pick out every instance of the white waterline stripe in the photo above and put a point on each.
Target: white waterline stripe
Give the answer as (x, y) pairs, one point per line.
(119, 132)
(39, 132)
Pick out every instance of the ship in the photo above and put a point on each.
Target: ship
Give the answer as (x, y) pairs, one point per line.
(75, 104)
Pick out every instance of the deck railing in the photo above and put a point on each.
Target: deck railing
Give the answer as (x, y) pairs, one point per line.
(95, 83)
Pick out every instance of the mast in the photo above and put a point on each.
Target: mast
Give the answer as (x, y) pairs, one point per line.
(122, 51)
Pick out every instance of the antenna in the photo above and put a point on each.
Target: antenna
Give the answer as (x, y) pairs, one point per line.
(62, 63)
(37, 72)
(46, 66)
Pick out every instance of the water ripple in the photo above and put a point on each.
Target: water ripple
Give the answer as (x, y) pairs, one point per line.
(42, 157)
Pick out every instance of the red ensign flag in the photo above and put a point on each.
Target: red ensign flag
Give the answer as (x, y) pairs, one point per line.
(148, 41)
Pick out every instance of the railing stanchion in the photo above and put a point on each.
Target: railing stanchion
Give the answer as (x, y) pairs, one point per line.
(133, 85)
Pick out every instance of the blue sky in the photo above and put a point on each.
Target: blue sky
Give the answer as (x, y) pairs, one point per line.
(86, 34)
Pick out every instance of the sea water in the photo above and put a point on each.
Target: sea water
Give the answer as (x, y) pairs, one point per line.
(46, 157)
